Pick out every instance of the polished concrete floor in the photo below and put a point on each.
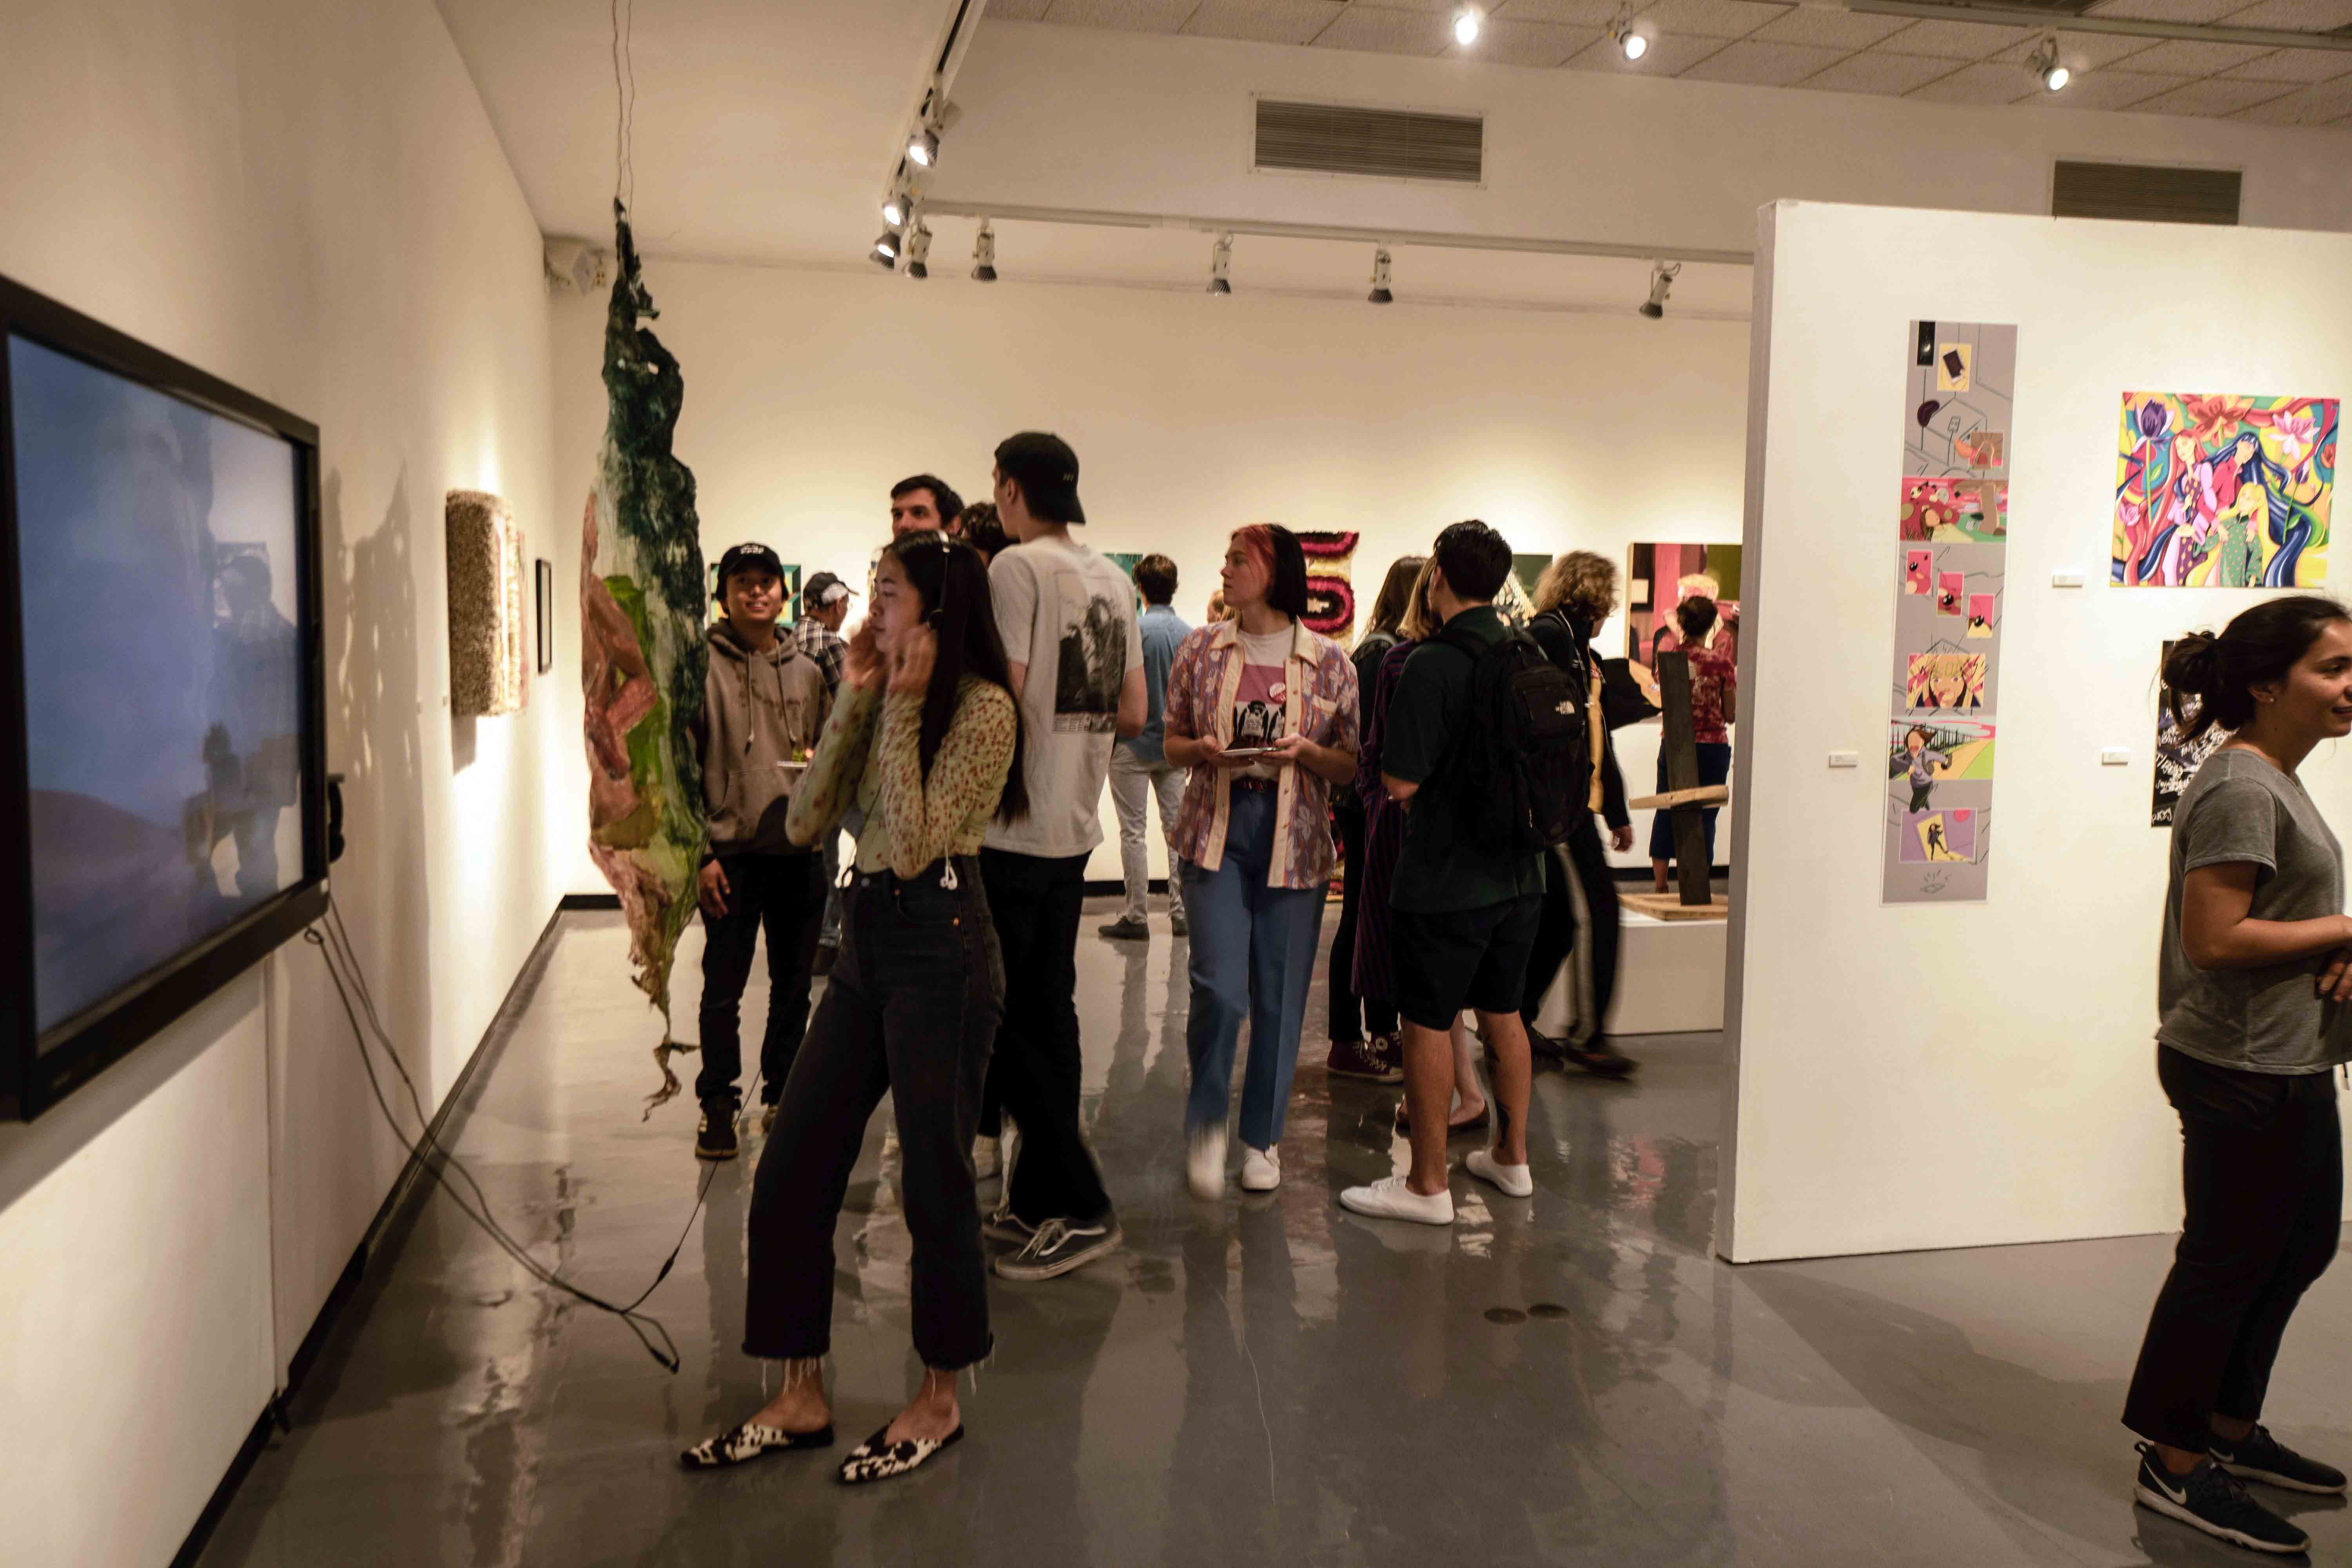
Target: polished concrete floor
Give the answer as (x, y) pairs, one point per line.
(1260, 1381)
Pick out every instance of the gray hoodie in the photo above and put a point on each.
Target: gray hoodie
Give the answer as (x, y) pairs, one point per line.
(761, 711)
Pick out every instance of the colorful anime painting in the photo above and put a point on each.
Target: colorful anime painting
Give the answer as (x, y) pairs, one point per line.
(1659, 576)
(1919, 571)
(1951, 588)
(1938, 810)
(2223, 491)
(1953, 510)
(1984, 614)
(1945, 682)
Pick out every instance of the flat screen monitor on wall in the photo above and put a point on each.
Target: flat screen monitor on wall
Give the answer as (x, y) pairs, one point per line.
(161, 733)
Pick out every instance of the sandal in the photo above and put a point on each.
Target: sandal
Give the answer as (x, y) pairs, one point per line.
(749, 1441)
(878, 1459)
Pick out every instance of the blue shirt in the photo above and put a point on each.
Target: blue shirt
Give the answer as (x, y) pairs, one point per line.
(1163, 629)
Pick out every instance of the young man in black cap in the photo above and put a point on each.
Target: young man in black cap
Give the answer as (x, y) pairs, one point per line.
(764, 705)
(825, 605)
(1067, 618)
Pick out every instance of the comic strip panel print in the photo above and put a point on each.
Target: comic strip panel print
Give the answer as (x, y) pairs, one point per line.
(1937, 810)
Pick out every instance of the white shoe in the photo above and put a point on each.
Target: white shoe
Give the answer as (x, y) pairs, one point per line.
(1513, 1180)
(1260, 1169)
(1389, 1198)
(1204, 1166)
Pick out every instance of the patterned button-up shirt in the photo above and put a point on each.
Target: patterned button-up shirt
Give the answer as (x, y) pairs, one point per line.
(824, 645)
(1318, 701)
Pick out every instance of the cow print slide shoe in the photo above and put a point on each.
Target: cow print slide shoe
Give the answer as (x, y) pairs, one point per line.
(749, 1441)
(878, 1459)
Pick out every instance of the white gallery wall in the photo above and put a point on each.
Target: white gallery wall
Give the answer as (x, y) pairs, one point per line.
(1951, 1074)
(306, 201)
(809, 392)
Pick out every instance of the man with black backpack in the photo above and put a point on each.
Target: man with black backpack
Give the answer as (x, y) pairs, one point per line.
(1489, 751)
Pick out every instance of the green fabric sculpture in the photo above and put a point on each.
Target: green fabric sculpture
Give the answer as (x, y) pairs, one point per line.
(643, 654)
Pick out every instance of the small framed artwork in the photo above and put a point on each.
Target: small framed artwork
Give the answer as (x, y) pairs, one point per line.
(543, 575)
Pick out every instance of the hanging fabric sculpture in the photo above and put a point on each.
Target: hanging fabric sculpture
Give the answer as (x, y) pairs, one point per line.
(643, 654)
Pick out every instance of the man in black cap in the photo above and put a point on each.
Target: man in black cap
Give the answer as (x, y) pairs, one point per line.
(764, 705)
(1067, 618)
(825, 605)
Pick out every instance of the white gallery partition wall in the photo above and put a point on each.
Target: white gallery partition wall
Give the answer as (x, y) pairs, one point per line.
(1953, 1074)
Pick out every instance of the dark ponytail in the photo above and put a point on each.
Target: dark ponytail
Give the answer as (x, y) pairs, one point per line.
(1697, 616)
(2209, 681)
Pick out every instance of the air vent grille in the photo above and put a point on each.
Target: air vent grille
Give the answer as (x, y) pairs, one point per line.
(1394, 143)
(2147, 192)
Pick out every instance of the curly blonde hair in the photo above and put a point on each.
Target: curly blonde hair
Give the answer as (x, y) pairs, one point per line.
(1580, 585)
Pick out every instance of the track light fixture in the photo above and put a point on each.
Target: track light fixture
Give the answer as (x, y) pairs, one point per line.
(2048, 68)
(1221, 266)
(1467, 21)
(895, 207)
(885, 250)
(1380, 294)
(918, 250)
(1662, 283)
(923, 148)
(1631, 44)
(983, 255)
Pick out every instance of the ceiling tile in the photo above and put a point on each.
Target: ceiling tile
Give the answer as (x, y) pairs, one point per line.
(1710, 18)
(1444, 6)
(1019, 10)
(2211, 99)
(2168, 10)
(1890, 75)
(2300, 15)
(2081, 51)
(1383, 32)
(1952, 40)
(1978, 84)
(1504, 42)
(1828, 27)
(1576, 12)
(1667, 56)
(1130, 15)
(1763, 65)
(1261, 21)
(2312, 106)
(2178, 59)
(2111, 89)
(2296, 64)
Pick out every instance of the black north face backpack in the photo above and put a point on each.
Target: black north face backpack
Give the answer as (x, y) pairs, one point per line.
(1522, 775)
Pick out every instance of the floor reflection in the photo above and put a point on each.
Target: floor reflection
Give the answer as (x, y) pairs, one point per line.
(1262, 1379)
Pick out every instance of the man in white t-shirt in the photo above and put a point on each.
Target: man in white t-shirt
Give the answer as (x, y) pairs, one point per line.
(1067, 618)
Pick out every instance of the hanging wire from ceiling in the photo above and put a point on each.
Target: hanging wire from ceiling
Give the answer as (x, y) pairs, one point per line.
(624, 102)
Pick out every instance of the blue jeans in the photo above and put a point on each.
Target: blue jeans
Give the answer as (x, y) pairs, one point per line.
(1253, 951)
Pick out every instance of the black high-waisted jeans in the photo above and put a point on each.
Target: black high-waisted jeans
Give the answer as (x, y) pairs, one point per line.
(911, 1009)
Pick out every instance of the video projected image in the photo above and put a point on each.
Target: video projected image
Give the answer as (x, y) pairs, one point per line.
(156, 542)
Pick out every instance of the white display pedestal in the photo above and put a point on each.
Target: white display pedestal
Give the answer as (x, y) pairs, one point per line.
(1669, 980)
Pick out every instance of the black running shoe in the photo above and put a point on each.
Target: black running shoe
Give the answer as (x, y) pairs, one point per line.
(2259, 1456)
(715, 1140)
(2211, 1498)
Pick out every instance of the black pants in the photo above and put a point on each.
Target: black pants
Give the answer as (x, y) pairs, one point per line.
(1036, 903)
(2263, 1168)
(1556, 936)
(911, 1009)
(1352, 1017)
(784, 896)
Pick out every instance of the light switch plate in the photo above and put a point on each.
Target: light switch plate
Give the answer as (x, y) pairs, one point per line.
(2115, 757)
(2065, 579)
(1845, 759)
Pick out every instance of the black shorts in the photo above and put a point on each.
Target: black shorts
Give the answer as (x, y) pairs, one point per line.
(1461, 958)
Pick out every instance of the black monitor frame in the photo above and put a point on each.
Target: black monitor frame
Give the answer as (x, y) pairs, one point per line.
(38, 1068)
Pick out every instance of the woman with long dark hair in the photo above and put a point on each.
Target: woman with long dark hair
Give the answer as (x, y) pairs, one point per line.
(1264, 712)
(1364, 1042)
(926, 739)
(2251, 989)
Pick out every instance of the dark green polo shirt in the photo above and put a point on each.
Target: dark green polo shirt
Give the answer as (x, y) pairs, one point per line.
(1441, 867)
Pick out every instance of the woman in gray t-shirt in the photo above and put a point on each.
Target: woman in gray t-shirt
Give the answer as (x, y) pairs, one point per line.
(2251, 987)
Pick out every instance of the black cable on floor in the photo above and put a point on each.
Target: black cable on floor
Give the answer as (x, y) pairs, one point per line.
(333, 941)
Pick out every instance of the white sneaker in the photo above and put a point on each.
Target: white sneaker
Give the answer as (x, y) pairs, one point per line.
(1389, 1198)
(1204, 1166)
(1260, 1169)
(1513, 1180)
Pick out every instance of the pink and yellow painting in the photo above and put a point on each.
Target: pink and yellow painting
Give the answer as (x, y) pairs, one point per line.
(1950, 588)
(1943, 682)
(2217, 491)
(1981, 615)
(1919, 571)
(1955, 511)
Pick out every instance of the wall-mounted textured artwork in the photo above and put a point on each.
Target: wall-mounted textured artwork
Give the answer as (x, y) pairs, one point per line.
(489, 672)
(542, 578)
(2222, 491)
(1330, 597)
(1659, 576)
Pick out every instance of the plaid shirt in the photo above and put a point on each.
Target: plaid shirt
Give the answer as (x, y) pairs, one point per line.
(1319, 702)
(821, 643)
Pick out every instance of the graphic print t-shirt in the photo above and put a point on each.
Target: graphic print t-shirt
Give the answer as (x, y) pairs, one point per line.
(1258, 704)
(1069, 615)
